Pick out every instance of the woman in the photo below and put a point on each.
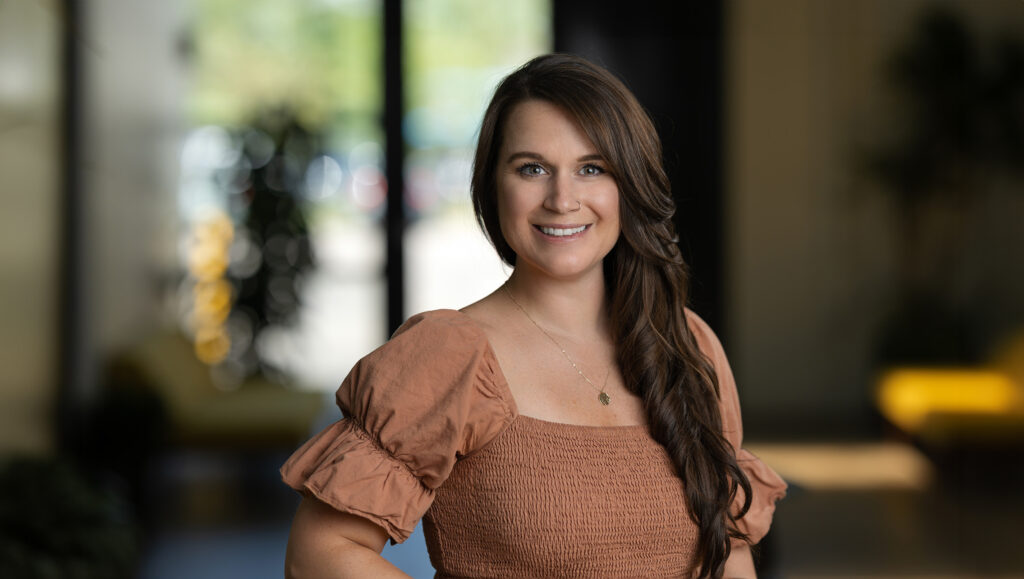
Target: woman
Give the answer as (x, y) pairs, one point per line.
(577, 422)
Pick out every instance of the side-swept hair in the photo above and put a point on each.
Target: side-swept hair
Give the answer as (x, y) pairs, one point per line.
(646, 279)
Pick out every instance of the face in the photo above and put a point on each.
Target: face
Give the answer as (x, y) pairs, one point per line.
(558, 204)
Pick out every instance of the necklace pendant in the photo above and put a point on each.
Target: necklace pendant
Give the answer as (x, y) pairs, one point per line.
(604, 398)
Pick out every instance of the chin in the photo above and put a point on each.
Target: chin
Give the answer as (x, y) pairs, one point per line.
(566, 271)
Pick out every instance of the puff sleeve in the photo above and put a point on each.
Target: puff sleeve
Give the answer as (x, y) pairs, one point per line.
(412, 407)
(766, 485)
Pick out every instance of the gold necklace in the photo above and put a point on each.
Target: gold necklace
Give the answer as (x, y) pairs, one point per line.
(602, 396)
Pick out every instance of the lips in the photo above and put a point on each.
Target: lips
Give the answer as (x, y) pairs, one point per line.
(561, 230)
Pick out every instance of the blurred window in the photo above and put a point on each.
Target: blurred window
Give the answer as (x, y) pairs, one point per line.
(456, 53)
(282, 188)
(285, 151)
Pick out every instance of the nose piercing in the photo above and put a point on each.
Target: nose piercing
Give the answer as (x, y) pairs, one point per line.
(579, 205)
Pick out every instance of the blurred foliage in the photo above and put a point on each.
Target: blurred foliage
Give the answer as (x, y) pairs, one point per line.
(320, 58)
(457, 52)
(958, 137)
(269, 294)
(962, 111)
(56, 524)
(471, 34)
(323, 59)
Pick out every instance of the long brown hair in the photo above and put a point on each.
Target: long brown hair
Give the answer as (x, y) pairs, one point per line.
(646, 280)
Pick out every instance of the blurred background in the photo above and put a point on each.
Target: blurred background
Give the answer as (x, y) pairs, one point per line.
(212, 208)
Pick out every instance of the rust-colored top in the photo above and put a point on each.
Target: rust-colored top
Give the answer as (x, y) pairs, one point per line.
(431, 430)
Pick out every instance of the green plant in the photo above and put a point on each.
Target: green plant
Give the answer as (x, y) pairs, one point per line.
(960, 133)
(56, 524)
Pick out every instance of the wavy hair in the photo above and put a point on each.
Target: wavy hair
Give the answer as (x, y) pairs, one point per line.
(646, 280)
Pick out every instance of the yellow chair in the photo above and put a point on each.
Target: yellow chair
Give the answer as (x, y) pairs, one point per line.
(958, 405)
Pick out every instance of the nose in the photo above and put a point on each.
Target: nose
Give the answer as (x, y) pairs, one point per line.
(561, 197)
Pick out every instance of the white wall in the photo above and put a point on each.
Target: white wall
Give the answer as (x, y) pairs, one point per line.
(29, 181)
(133, 109)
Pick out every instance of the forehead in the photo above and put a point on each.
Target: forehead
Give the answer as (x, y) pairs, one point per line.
(543, 127)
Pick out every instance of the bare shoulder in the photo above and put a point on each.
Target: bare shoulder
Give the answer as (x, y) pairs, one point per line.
(490, 313)
(504, 331)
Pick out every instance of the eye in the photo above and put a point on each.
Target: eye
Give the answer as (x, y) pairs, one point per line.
(531, 170)
(592, 170)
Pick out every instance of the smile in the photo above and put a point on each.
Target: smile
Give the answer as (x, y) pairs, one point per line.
(560, 231)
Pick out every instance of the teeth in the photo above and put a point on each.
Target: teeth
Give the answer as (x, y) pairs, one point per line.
(562, 232)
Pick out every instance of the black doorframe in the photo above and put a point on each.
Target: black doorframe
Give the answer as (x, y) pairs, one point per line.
(70, 374)
(672, 57)
(394, 162)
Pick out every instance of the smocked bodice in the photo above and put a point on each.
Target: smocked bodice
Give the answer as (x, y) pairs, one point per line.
(545, 499)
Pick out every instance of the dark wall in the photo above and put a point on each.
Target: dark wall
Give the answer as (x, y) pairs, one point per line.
(670, 56)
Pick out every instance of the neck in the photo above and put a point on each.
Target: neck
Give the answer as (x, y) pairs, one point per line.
(576, 308)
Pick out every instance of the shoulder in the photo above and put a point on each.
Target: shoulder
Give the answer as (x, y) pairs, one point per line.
(712, 349)
(441, 323)
(432, 391)
(436, 337)
(439, 357)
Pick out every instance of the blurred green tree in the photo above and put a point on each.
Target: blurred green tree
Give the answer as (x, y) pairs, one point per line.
(960, 131)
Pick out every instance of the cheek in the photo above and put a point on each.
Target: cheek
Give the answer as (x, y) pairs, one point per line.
(507, 212)
(514, 200)
(610, 204)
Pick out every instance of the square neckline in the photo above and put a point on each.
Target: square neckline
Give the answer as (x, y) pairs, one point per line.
(516, 414)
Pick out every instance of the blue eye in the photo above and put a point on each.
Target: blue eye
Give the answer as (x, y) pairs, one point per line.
(531, 170)
(591, 170)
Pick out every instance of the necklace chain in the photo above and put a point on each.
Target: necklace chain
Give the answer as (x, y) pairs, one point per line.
(602, 396)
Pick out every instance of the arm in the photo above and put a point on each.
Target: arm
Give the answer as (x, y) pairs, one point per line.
(326, 543)
(740, 564)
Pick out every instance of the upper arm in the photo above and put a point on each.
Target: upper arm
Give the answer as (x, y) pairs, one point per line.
(321, 533)
(740, 564)
(316, 521)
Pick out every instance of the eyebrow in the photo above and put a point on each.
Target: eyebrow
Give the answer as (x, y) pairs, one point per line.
(539, 157)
